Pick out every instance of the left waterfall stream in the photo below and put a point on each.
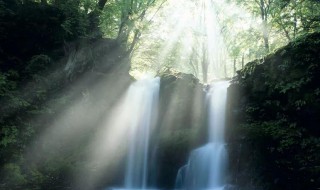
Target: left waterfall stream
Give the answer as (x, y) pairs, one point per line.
(142, 101)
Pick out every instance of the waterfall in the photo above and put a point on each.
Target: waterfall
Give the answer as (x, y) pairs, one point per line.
(206, 165)
(143, 95)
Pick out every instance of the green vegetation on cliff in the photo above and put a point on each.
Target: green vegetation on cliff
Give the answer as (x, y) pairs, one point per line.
(52, 70)
(275, 105)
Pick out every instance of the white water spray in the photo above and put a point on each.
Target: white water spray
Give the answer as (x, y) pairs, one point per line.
(143, 99)
(207, 164)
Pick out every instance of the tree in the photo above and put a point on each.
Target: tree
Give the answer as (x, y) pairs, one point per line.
(261, 8)
(294, 17)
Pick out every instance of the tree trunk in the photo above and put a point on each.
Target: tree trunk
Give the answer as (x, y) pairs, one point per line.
(264, 17)
(295, 19)
(242, 61)
(94, 19)
(136, 37)
(102, 3)
(286, 32)
(234, 67)
(266, 35)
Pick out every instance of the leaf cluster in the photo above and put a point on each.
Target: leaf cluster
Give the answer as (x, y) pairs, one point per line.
(281, 112)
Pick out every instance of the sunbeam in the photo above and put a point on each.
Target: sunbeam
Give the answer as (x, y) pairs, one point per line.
(159, 94)
(191, 41)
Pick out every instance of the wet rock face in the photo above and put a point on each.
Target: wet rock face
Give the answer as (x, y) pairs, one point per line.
(271, 130)
(181, 125)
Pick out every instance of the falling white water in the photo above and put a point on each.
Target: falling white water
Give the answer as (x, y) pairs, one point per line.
(142, 99)
(206, 166)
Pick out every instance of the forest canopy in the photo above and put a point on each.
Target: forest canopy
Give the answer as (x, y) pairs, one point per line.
(150, 29)
(244, 30)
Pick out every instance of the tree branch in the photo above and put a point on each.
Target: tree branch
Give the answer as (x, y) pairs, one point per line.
(157, 11)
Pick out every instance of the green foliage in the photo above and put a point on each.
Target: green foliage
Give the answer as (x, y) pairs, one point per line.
(14, 176)
(31, 33)
(38, 63)
(110, 19)
(76, 22)
(10, 134)
(278, 22)
(269, 24)
(281, 113)
(36, 39)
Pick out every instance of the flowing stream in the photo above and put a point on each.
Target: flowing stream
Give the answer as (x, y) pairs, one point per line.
(206, 165)
(143, 98)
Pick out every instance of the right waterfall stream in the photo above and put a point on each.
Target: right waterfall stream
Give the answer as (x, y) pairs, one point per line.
(206, 167)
